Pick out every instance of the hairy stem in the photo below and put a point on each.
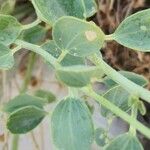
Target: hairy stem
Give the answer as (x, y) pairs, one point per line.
(118, 112)
(128, 85)
(62, 55)
(31, 25)
(37, 49)
(134, 111)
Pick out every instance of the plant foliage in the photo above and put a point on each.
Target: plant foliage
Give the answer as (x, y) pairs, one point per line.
(74, 54)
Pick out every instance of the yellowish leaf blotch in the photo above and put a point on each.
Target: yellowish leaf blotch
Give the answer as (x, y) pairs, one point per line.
(90, 35)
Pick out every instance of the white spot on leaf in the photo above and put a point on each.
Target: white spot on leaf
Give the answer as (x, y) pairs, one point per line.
(143, 28)
(90, 35)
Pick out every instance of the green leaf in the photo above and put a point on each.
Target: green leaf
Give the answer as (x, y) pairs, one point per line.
(10, 29)
(51, 47)
(34, 35)
(78, 37)
(138, 79)
(6, 57)
(47, 95)
(50, 10)
(22, 101)
(55, 51)
(119, 97)
(101, 137)
(134, 31)
(72, 127)
(76, 76)
(125, 142)
(25, 119)
(70, 60)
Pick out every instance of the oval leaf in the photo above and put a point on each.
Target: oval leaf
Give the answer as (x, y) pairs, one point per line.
(55, 51)
(72, 127)
(78, 37)
(10, 29)
(136, 78)
(76, 76)
(6, 57)
(22, 101)
(47, 95)
(125, 142)
(34, 35)
(50, 10)
(119, 97)
(25, 119)
(134, 31)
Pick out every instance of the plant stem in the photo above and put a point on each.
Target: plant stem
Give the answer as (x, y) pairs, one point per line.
(128, 85)
(15, 142)
(62, 55)
(73, 92)
(118, 112)
(31, 25)
(134, 111)
(32, 56)
(17, 48)
(109, 37)
(37, 49)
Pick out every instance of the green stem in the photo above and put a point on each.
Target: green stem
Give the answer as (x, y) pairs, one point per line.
(130, 86)
(134, 112)
(15, 142)
(37, 49)
(118, 112)
(62, 55)
(17, 48)
(32, 56)
(109, 37)
(73, 92)
(31, 25)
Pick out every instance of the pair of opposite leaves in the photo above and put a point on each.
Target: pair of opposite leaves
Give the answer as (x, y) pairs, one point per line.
(26, 111)
(80, 38)
(85, 40)
(133, 32)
